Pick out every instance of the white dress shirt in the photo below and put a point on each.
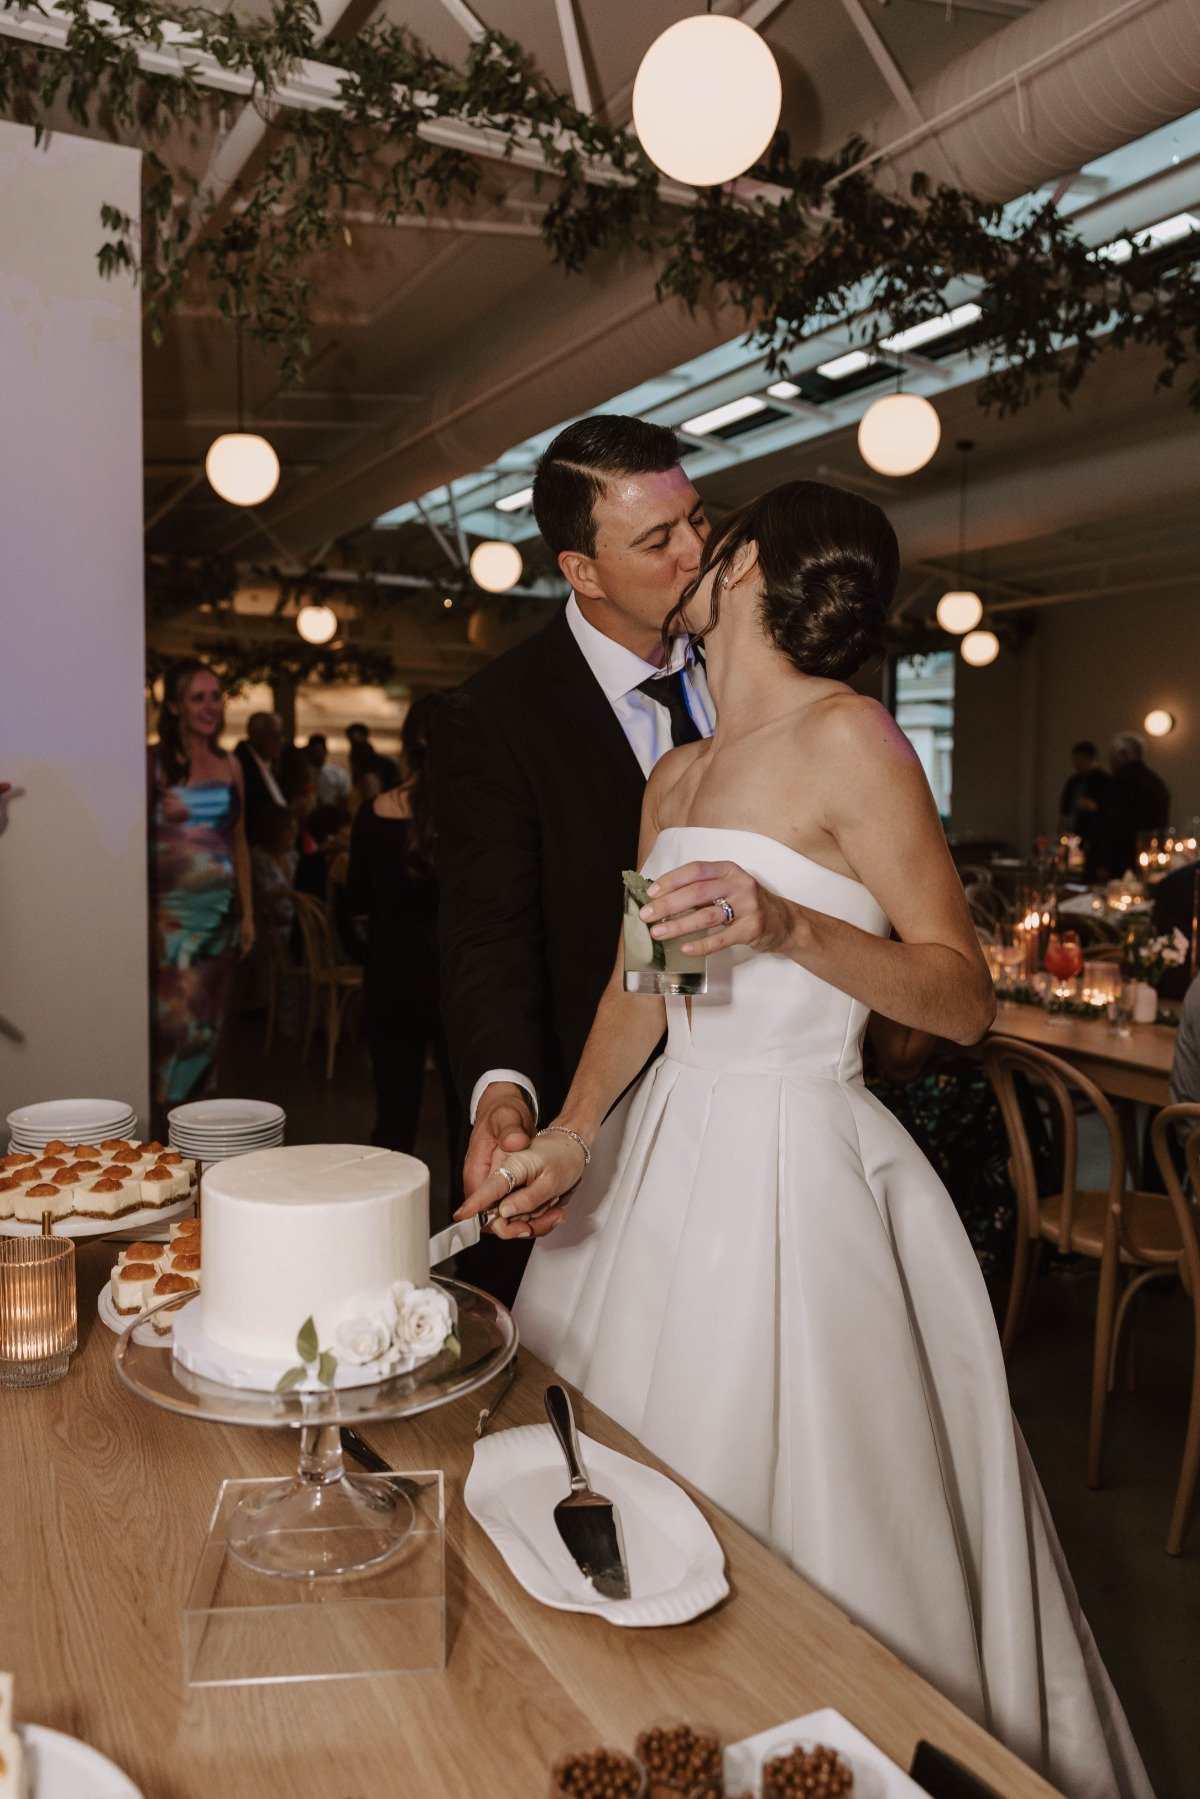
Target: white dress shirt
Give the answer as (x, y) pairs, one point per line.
(268, 775)
(647, 728)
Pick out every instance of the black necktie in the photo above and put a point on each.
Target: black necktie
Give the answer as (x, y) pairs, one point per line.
(667, 690)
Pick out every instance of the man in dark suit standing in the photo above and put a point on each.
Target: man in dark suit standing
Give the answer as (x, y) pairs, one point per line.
(1138, 802)
(539, 763)
(259, 756)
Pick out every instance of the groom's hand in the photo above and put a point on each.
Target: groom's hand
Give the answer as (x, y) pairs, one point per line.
(503, 1121)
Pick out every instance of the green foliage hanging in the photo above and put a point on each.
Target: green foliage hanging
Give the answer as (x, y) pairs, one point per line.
(832, 245)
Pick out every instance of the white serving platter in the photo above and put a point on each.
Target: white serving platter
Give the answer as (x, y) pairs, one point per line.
(62, 1767)
(676, 1565)
(118, 1323)
(875, 1776)
(129, 1224)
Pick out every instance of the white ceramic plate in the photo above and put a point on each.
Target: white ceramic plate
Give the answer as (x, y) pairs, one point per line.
(36, 1146)
(226, 1115)
(676, 1565)
(102, 1227)
(64, 1768)
(206, 1148)
(50, 1115)
(875, 1777)
(118, 1323)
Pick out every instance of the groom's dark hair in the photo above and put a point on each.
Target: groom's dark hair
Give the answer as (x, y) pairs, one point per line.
(574, 470)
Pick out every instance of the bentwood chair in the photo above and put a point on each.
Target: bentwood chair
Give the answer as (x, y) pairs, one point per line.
(331, 983)
(1187, 1218)
(986, 904)
(1133, 1237)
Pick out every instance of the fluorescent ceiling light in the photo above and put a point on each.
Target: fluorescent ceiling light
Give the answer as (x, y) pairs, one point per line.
(515, 502)
(1167, 231)
(729, 414)
(841, 366)
(783, 390)
(930, 329)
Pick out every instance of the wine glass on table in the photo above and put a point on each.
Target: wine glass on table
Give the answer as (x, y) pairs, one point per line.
(1064, 963)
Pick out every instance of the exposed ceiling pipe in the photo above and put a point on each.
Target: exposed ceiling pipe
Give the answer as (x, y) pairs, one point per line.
(1059, 86)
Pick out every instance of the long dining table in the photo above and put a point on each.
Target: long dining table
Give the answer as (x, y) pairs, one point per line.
(1133, 1067)
(104, 1503)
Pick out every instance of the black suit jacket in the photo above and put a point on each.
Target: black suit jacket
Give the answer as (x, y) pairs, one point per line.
(258, 794)
(537, 800)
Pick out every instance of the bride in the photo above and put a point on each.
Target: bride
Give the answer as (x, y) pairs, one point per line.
(765, 1282)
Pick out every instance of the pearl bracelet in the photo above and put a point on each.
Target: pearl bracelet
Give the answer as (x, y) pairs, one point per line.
(564, 1130)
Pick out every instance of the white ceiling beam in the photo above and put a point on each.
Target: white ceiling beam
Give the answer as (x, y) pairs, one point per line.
(462, 15)
(883, 59)
(1100, 590)
(440, 538)
(568, 25)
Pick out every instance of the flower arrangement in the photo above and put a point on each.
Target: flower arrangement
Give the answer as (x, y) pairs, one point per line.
(379, 1337)
(1149, 958)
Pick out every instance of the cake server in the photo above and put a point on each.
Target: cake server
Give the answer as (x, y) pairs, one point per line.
(457, 1237)
(587, 1522)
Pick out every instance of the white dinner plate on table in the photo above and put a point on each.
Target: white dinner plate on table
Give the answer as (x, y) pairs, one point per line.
(130, 1225)
(87, 1119)
(875, 1777)
(119, 1322)
(676, 1565)
(62, 1767)
(225, 1115)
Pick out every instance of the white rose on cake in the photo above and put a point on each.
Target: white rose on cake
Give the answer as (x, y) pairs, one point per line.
(364, 1337)
(425, 1317)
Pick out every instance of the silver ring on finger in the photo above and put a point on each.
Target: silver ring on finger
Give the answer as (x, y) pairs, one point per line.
(510, 1177)
(726, 908)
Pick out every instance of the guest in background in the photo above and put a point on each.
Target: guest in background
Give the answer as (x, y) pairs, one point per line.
(273, 859)
(387, 769)
(1185, 1064)
(333, 783)
(1084, 796)
(298, 781)
(202, 911)
(1138, 801)
(392, 884)
(259, 756)
(324, 829)
(1175, 902)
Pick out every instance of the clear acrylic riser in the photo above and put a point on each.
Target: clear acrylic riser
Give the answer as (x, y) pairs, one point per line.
(325, 1574)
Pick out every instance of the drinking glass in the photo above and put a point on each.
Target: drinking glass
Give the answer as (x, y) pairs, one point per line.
(1120, 1009)
(1064, 962)
(37, 1309)
(653, 964)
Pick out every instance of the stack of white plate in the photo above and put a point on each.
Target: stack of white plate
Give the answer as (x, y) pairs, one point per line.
(72, 1120)
(214, 1129)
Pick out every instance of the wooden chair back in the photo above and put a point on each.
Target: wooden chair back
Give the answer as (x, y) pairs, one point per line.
(1163, 1136)
(316, 936)
(1060, 1084)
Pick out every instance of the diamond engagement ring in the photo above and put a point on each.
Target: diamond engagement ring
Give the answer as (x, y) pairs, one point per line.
(727, 909)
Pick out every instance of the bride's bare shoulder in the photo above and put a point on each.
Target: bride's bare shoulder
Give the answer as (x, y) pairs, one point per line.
(852, 730)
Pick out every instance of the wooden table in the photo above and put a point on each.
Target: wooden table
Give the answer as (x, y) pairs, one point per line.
(1136, 1067)
(104, 1503)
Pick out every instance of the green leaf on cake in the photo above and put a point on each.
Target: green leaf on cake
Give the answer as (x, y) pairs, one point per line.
(452, 1343)
(291, 1379)
(306, 1341)
(326, 1367)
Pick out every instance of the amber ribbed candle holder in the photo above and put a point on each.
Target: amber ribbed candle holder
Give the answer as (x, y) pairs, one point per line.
(37, 1309)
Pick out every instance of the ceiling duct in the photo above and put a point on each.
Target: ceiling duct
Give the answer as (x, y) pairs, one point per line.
(1065, 83)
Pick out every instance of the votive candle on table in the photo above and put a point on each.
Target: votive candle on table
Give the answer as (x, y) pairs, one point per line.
(37, 1309)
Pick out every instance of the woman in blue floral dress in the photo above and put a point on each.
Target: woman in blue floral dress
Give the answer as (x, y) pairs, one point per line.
(201, 914)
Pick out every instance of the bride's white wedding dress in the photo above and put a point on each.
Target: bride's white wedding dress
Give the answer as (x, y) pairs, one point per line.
(765, 1282)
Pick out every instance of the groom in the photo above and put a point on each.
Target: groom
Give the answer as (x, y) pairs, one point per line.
(539, 762)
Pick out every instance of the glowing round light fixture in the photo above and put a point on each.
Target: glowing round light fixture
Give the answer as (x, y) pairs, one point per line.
(1158, 723)
(242, 467)
(496, 566)
(980, 647)
(317, 624)
(706, 100)
(959, 611)
(898, 434)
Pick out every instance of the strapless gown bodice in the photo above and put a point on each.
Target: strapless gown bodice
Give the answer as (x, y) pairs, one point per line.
(764, 1013)
(762, 1278)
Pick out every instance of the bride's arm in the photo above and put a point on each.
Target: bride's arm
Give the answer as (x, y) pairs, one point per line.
(880, 812)
(623, 1035)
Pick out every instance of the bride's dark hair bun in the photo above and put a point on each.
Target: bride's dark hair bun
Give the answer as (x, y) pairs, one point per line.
(829, 562)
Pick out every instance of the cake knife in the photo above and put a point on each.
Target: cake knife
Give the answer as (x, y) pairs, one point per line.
(464, 1234)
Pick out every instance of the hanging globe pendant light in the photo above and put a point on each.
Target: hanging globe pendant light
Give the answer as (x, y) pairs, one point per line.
(980, 647)
(961, 609)
(898, 434)
(496, 566)
(242, 466)
(317, 624)
(706, 100)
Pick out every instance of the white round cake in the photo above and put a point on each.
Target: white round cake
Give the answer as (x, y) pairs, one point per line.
(314, 1230)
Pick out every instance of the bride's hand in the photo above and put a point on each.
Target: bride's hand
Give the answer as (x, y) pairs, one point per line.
(687, 901)
(548, 1169)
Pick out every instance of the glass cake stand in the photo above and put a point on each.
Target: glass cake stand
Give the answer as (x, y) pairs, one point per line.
(285, 1558)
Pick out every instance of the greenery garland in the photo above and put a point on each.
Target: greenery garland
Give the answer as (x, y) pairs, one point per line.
(790, 267)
